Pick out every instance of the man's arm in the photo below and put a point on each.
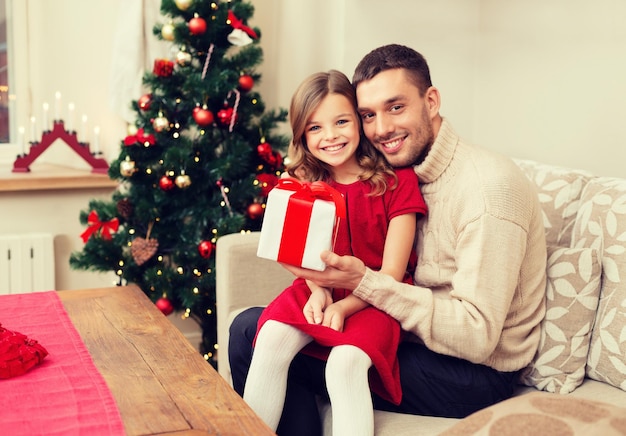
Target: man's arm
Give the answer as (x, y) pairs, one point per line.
(344, 272)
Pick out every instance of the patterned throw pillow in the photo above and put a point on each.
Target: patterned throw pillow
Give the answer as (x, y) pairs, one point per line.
(601, 223)
(572, 292)
(540, 413)
(559, 191)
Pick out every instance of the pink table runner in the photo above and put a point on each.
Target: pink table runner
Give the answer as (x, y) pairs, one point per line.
(65, 394)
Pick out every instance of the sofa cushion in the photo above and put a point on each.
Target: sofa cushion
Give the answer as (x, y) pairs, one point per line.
(601, 224)
(542, 413)
(572, 292)
(559, 191)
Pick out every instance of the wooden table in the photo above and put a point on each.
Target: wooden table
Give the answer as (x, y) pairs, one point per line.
(162, 385)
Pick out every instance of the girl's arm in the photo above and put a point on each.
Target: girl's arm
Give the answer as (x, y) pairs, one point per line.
(396, 254)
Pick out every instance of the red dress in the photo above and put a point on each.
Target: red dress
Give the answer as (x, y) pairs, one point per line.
(362, 235)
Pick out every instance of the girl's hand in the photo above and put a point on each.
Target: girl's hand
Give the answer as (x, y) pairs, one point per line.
(319, 300)
(334, 316)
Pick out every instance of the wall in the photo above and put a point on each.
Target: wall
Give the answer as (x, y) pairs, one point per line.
(551, 82)
(55, 212)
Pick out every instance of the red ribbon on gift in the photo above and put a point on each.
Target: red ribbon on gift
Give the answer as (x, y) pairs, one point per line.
(299, 208)
(94, 224)
(238, 24)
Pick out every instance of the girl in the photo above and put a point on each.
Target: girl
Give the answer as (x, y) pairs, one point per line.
(332, 324)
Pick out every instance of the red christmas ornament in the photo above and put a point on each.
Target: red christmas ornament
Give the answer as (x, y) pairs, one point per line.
(144, 102)
(267, 181)
(275, 160)
(225, 115)
(164, 305)
(197, 25)
(272, 158)
(166, 183)
(205, 248)
(246, 82)
(255, 211)
(264, 150)
(163, 67)
(203, 116)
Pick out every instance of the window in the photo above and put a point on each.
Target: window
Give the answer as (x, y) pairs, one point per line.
(6, 95)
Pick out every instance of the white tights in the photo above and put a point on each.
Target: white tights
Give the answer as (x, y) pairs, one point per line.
(346, 380)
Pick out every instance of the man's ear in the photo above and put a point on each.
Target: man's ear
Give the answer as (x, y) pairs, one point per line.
(433, 101)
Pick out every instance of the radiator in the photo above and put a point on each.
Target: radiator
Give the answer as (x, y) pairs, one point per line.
(26, 263)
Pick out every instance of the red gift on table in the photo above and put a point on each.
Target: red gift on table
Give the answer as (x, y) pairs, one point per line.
(300, 222)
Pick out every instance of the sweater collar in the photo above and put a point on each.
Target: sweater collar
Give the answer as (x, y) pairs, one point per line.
(440, 154)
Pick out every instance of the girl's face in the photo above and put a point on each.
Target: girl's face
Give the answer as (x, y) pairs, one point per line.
(332, 136)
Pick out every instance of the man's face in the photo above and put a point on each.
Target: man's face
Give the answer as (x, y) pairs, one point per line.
(396, 119)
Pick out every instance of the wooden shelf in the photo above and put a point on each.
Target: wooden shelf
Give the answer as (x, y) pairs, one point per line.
(45, 177)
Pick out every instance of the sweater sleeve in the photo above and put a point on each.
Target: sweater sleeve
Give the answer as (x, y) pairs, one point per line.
(467, 320)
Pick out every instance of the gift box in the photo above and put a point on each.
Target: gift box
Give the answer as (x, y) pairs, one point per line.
(300, 222)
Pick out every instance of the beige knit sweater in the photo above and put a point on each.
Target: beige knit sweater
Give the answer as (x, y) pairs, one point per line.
(481, 272)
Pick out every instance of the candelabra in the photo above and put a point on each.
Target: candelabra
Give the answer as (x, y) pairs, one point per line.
(24, 160)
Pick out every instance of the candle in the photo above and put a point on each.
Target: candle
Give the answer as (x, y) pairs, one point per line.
(83, 130)
(12, 102)
(70, 117)
(44, 123)
(22, 142)
(57, 106)
(33, 130)
(96, 140)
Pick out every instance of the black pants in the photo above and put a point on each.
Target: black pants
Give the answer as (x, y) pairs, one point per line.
(432, 384)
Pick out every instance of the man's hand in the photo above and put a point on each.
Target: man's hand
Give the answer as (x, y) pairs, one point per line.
(342, 272)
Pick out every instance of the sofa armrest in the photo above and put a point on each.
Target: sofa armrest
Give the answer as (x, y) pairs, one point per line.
(242, 280)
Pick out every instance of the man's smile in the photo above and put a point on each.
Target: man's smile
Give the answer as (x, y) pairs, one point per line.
(392, 145)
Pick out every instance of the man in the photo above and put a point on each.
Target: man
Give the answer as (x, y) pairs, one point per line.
(475, 310)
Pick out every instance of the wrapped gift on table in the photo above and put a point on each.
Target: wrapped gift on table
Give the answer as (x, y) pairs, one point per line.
(300, 222)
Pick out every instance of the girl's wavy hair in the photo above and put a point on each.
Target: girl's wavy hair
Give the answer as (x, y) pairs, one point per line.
(302, 164)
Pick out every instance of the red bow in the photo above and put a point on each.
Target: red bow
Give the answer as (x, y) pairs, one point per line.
(315, 191)
(163, 67)
(238, 24)
(94, 224)
(140, 137)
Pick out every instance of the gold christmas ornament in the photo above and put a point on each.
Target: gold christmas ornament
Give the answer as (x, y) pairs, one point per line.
(182, 180)
(167, 32)
(127, 167)
(183, 5)
(183, 58)
(161, 123)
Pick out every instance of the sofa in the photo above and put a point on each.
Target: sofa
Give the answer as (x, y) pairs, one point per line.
(576, 383)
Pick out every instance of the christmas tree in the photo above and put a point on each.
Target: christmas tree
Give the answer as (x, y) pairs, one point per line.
(197, 164)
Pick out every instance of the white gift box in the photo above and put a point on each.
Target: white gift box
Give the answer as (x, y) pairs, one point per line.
(300, 222)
